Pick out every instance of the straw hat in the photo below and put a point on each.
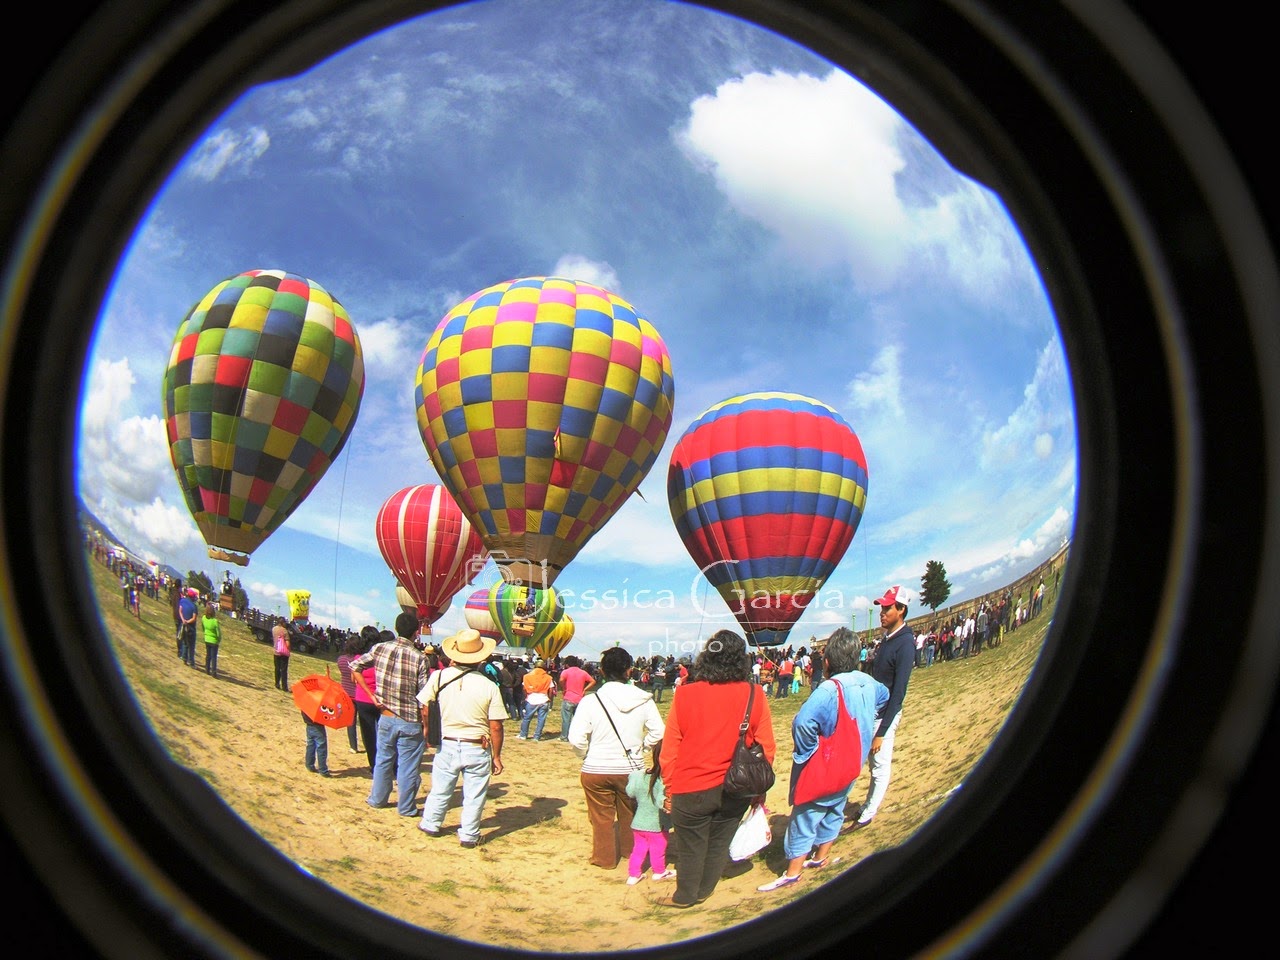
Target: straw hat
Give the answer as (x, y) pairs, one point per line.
(467, 646)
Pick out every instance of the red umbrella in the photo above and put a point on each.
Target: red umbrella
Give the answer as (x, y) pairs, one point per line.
(324, 701)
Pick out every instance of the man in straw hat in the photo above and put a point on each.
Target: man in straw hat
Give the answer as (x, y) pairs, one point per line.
(471, 715)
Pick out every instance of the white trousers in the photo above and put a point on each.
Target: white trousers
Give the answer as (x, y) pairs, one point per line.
(881, 762)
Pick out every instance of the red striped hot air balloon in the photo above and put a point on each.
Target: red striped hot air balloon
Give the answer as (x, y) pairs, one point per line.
(767, 491)
(478, 617)
(430, 547)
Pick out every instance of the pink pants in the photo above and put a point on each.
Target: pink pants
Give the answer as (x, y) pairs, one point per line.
(650, 842)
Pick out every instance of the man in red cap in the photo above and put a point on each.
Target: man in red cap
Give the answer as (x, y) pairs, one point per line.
(895, 656)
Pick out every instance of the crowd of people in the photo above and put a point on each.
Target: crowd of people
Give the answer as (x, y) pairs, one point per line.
(966, 633)
(653, 788)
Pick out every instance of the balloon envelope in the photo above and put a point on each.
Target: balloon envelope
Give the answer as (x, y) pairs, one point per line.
(554, 642)
(263, 385)
(543, 402)
(406, 601)
(299, 604)
(525, 615)
(478, 617)
(767, 491)
(429, 545)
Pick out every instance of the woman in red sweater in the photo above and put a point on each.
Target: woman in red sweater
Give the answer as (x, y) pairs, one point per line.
(702, 731)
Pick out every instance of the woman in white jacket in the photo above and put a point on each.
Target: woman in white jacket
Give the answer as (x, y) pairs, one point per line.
(611, 728)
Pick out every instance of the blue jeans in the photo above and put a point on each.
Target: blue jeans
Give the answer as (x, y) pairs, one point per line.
(189, 645)
(317, 746)
(469, 762)
(813, 824)
(530, 710)
(566, 717)
(400, 746)
(509, 701)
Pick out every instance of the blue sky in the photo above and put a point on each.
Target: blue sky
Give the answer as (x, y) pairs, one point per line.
(781, 226)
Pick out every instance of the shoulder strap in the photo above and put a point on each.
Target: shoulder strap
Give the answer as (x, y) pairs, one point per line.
(440, 686)
(746, 717)
(609, 717)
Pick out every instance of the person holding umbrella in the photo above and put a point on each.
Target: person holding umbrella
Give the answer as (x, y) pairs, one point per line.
(324, 703)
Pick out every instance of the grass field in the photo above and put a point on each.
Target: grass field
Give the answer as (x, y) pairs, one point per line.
(245, 740)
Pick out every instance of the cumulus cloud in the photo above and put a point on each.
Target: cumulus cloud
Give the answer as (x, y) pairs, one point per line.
(879, 387)
(821, 162)
(226, 153)
(589, 271)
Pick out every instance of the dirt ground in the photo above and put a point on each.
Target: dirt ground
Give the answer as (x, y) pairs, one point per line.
(535, 833)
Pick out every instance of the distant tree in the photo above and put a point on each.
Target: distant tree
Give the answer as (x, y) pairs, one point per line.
(934, 585)
(201, 582)
(241, 597)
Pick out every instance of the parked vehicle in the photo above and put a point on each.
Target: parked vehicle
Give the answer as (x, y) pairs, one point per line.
(262, 623)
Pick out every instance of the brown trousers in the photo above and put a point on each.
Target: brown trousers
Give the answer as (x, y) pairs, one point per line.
(610, 810)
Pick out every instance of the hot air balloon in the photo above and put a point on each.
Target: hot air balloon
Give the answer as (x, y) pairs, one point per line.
(299, 605)
(551, 645)
(430, 547)
(766, 491)
(406, 601)
(262, 389)
(525, 615)
(543, 402)
(478, 617)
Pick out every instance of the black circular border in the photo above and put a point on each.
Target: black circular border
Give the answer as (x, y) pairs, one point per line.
(1135, 181)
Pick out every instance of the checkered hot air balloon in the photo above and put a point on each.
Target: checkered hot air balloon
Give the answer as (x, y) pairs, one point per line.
(263, 385)
(430, 547)
(766, 491)
(543, 402)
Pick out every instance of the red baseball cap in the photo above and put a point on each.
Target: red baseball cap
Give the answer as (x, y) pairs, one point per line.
(894, 595)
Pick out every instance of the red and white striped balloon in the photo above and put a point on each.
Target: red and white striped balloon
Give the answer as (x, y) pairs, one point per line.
(430, 547)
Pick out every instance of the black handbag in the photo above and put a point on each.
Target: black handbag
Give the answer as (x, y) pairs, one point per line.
(750, 774)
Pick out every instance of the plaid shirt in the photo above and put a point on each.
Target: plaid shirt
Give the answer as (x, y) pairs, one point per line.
(400, 671)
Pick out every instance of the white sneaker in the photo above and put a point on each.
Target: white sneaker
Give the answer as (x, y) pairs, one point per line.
(778, 884)
(667, 874)
(632, 881)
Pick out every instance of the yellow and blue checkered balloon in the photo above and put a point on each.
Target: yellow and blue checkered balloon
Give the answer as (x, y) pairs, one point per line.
(542, 403)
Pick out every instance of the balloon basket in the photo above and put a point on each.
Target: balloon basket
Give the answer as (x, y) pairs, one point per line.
(238, 559)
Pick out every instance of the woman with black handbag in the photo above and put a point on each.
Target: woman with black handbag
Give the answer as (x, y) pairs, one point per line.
(701, 737)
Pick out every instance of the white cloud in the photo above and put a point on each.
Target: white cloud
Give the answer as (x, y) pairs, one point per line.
(821, 163)
(878, 389)
(1046, 407)
(227, 152)
(582, 268)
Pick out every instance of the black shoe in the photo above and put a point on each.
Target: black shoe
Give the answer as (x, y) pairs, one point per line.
(324, 773)
(469, 844)
(430, 833)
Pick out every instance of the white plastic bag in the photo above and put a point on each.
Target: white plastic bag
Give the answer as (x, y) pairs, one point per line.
(753, 833)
